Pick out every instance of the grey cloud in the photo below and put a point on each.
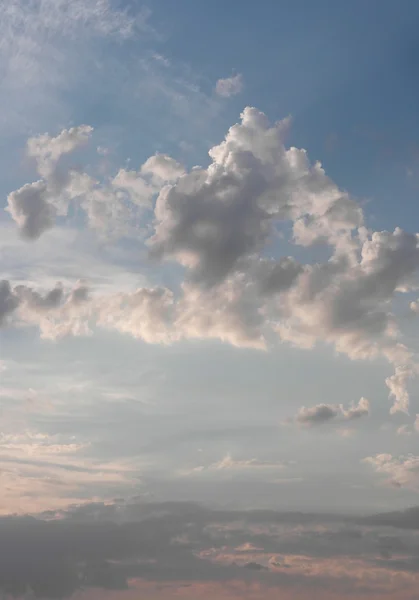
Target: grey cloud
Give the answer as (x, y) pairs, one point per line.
(216, 223)
(406, 519)
(51, 299)
(104, 545)
(230, 86)
(254, 566)
(277, 276)
(30, 208)
(325, 413)
(213, 218)
(35, 206)
(56, 312)
(322, 413)
(8, 301)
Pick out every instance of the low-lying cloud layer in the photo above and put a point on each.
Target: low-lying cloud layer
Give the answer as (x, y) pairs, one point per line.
(132, 544)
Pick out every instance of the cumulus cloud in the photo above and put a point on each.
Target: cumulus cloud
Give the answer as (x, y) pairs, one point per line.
(162, 168)
(34, 206)
(230, 86)
(397, 384)
(400, 471)
(322, 413)
(219, 223)
(31, 210)
(325, 413)
(57, 312)
(47, 150)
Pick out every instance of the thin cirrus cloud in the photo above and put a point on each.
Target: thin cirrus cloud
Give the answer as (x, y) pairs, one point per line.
(215, 222)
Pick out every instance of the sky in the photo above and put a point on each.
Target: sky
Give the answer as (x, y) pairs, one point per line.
(209, 299)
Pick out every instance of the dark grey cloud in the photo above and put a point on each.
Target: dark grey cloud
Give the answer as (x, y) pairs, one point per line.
(8, 301)
(326, 413)
(104, 545)
(407, 519)
(322, 413)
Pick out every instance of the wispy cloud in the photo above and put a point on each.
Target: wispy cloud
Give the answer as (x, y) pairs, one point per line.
(230, 86)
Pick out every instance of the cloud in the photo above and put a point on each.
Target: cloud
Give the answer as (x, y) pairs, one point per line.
(46, 47)
(404, 430)
(34, 206)
(401, 471)
(229, 464)
(253, 463)
(47, 150)
(163, 168)
(231, 86)
(107, 546)
(362, 409)
(8, 301)
(397, 384)
(214, 219)
(322, 413)
(57, 313)
(30, 209)
(220, 224)
(325, 413)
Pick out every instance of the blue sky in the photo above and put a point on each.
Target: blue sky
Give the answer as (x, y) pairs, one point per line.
(210, 258)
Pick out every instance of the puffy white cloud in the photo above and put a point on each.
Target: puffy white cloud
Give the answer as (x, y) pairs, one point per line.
(162, 168)
(214, 219)
(145, 314)
(362, 409)
(230, 86)
(30, 209)
(35, 206)
(397, 384)
(217, 222)
(57, 313)
(140, 192)
(325, 413)
(48, 150)
(228, 312)
(401, 471)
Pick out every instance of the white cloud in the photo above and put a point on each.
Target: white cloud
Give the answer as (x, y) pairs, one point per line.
(162, 168)
(34, 206)
(397, 384)
(230, 464)
(230, 86)
(401, 471)
(48, 150)
(217, 223)
(145, 314)
(140, 192)
(30, 209)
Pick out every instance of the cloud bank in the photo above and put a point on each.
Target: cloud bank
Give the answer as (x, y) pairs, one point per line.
(138, 545)
(225, 226)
